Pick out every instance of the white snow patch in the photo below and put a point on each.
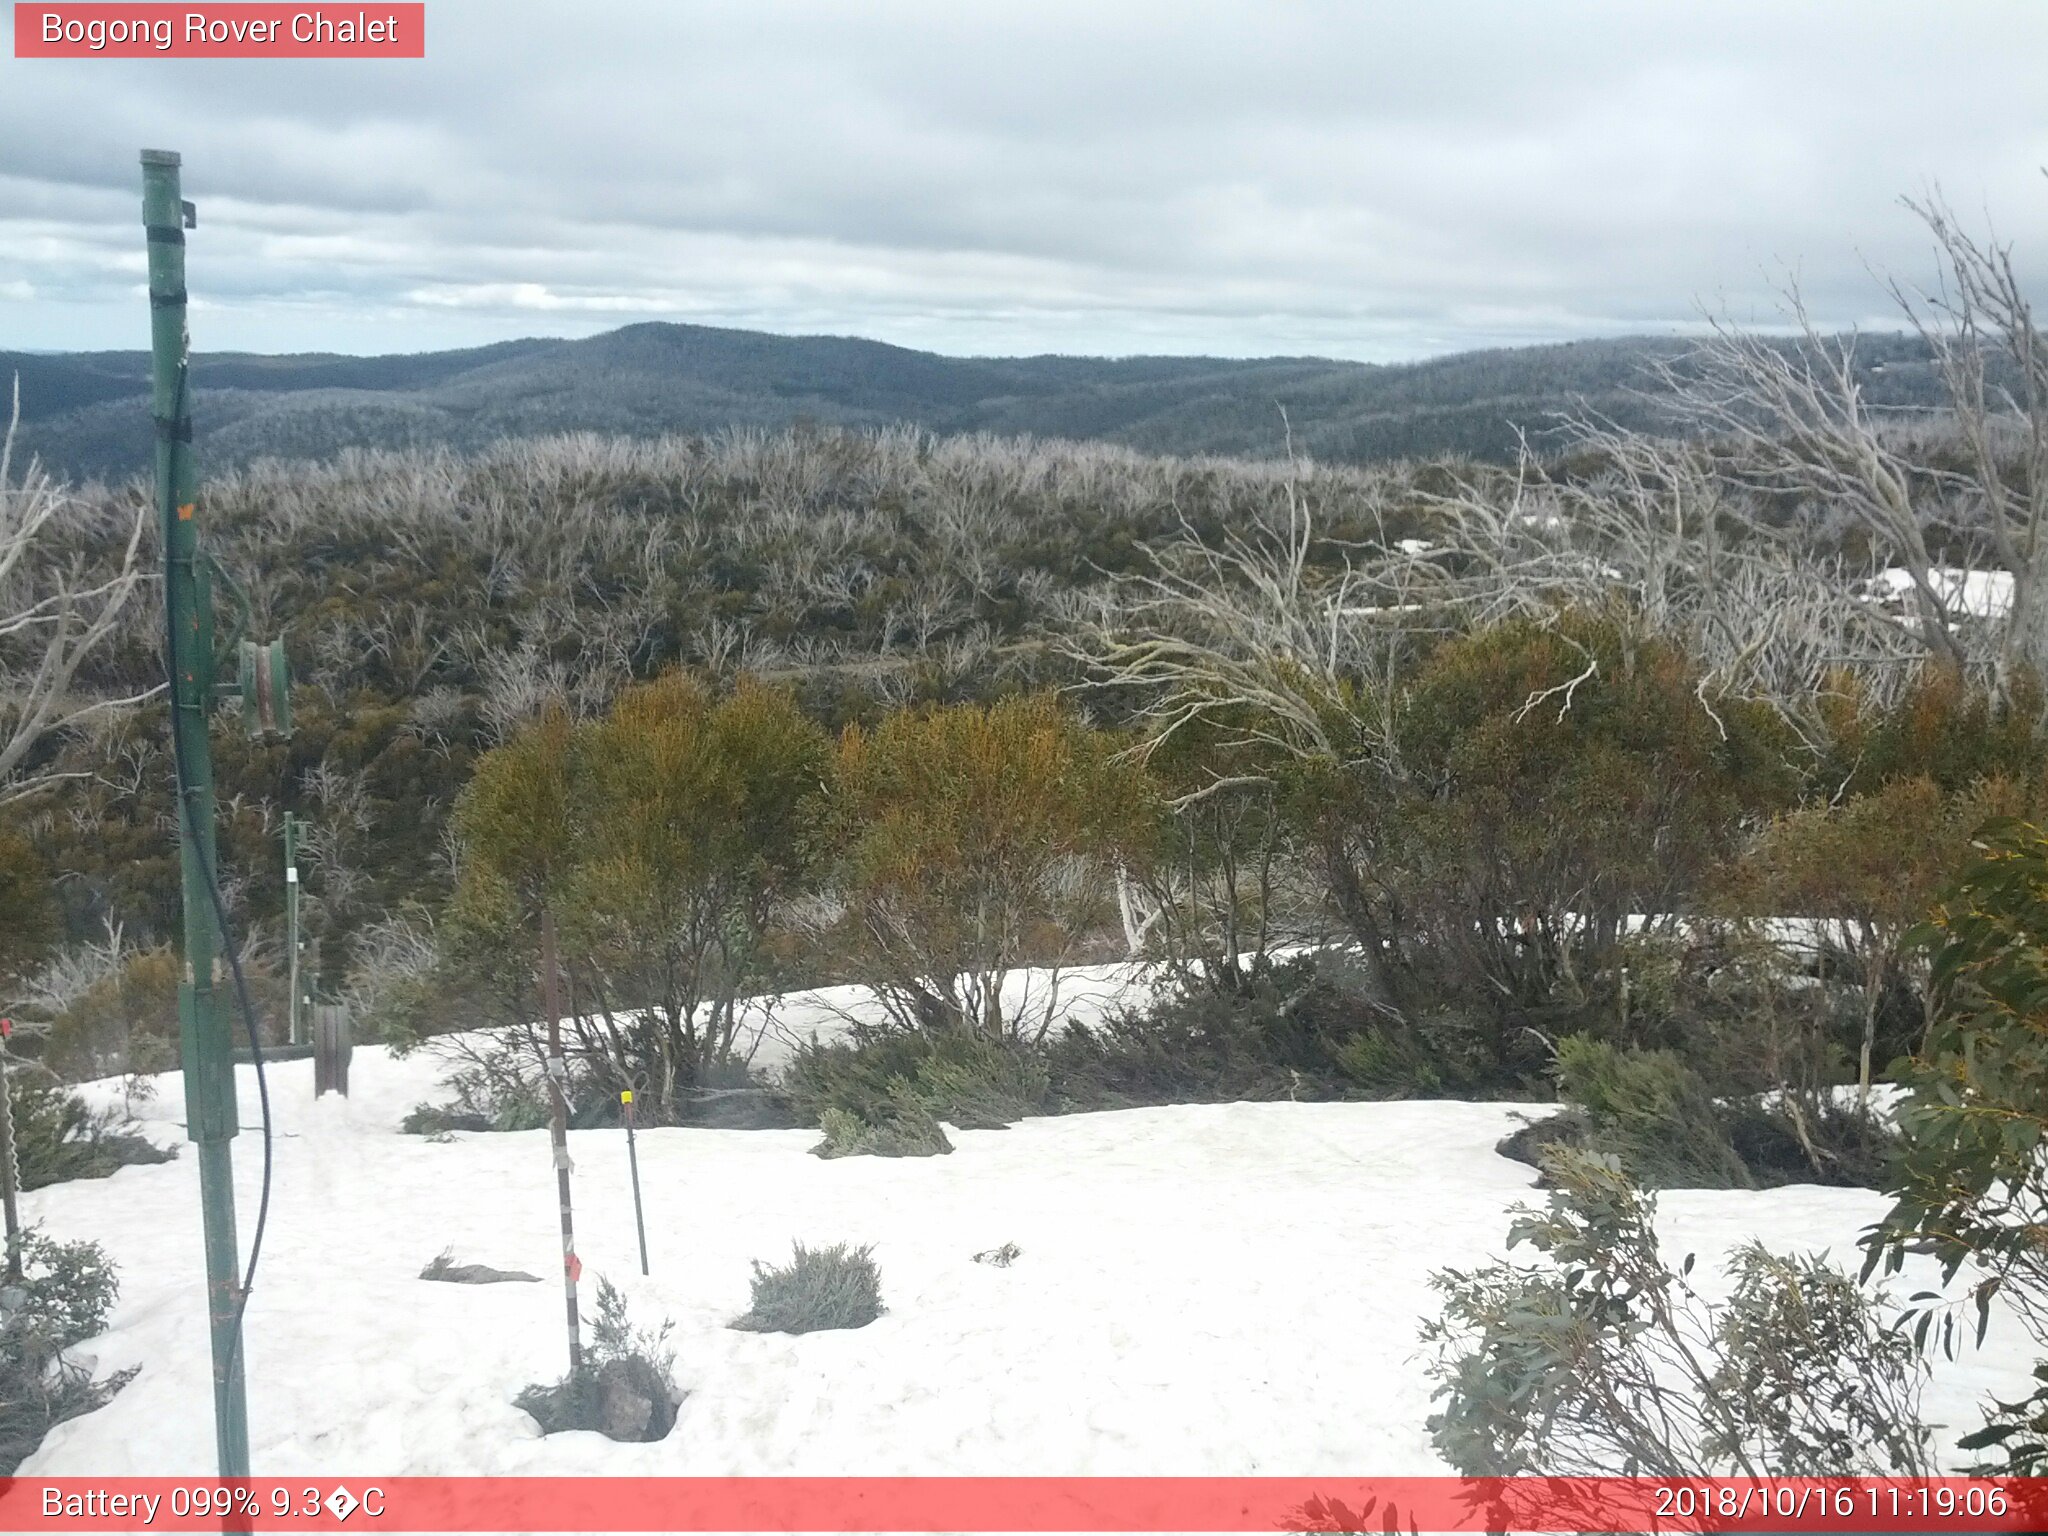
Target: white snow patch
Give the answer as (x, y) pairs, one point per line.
(1217, 1289)
(1967, 593)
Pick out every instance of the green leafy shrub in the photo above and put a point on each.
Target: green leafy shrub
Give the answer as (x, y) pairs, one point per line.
(1652, 1112)
(658, 842)
(836, 1287)
(1484, 826)
(57, 1136)
(626, 1389)
(910, 1132)
(1602, 1359)
(1296, 1028)
(1970, 1183)
(973, 841)
(879, 1076)
(66, 1294)
(126, 1021)
(1673, 1128)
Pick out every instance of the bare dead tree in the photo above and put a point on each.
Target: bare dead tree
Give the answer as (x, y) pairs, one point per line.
(1978, 318)
(1792, 419)
(55, 609)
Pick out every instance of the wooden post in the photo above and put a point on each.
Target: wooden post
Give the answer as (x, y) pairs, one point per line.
(294, 944)
(333, 1045)
(558, 1130)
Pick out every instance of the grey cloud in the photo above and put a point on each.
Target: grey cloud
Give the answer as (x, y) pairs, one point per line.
(1367, 180)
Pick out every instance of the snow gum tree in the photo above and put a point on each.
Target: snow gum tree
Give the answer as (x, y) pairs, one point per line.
(697, 825)
(661, 837)
(974, 841)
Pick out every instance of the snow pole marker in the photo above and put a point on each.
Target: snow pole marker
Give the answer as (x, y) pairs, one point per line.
(558, 1132)
(633, 1161)
(10, 1178)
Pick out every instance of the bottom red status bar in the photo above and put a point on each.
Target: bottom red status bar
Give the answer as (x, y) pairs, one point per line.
(1024, 1504)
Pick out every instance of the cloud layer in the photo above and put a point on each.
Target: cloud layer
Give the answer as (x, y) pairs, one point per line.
(1366, 180)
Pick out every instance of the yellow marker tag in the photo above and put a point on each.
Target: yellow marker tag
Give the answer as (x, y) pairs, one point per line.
(625, 1095)
(185, 512)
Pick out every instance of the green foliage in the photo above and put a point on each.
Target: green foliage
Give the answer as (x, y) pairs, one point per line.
(1971, 1183)
(836, 1287)
(1298, 1028)
(1868, 869)
(57, 1136)
(974, 841)
(1601, 1358)
(881, 1077)
(1672, 1126)
(661, 840)
(127, 1021)
(1216, 892)
(66, 1295)
(626, 1389)
(29, 916)
(1652, 1113)
(1486, 840)
(1943, 728)
(901, 1129)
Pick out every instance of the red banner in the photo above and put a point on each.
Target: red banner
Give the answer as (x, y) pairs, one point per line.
(1033, 1504)
(113, 31)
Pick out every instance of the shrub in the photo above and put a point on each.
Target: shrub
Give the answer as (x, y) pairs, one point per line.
(1970, 1184)
(836, 1287)
(1485, 837)
(1673, 1128)
(626, 1389)
(1602, 1359)
(439, 1120)
(57, 1136)
(974, 841)
(123, 1021)
(876, 1077)
(1651, 1112)
(911, 1132)
(67, 1292)
(660, 841)
(1296, 1028)
(1868, 869)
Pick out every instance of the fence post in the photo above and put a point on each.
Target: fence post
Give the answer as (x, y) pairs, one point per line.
(333, 1045)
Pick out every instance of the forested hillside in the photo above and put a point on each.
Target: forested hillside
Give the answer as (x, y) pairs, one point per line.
(86, 414)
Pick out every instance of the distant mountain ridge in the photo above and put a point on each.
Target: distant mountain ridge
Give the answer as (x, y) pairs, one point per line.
(86, 413)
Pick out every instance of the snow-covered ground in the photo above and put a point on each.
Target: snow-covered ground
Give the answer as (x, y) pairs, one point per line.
(1228, 1289)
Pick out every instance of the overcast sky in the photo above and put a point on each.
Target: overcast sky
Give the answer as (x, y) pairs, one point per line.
(1366, 180)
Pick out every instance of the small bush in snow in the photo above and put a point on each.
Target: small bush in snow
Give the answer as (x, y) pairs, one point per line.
(1652, 1112)
(66, 1294)
(58, 1136)
(1297, 1028)
(884, 1094)
(1602, 1359)
(910, 1133)
(626, 1389)
(837, 1287)
(1673, 1129)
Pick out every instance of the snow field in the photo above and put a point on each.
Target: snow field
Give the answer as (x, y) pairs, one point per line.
(1205, 1289)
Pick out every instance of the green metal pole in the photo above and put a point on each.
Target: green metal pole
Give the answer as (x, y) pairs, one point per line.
(291, 925)
(210, 1116)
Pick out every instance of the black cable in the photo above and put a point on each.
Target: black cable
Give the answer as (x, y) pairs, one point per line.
(220, 906)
